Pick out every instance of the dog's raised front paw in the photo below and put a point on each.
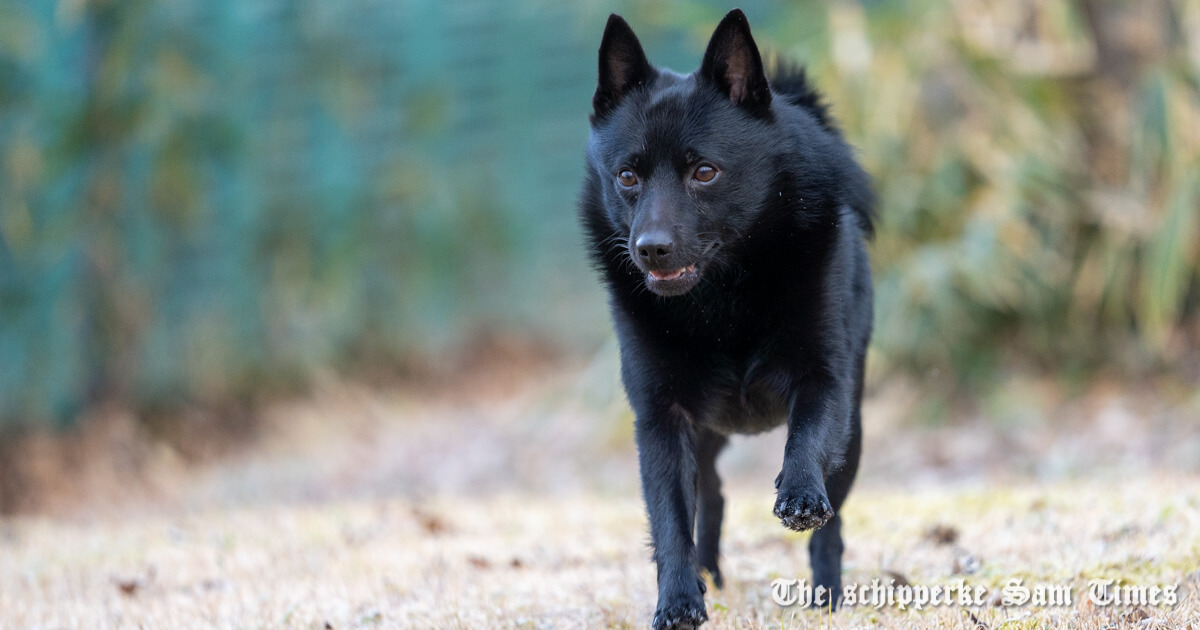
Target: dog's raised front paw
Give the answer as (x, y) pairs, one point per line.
(803, 510)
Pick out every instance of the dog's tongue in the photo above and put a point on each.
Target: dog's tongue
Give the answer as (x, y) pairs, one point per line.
(667, 275)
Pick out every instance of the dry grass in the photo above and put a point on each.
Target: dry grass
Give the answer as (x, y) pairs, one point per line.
(522, 512)
(534, 561)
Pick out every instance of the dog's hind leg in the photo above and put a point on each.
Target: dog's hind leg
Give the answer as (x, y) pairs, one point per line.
(711, 508)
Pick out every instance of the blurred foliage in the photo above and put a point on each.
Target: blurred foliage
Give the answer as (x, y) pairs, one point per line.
(202, 199)
(1038, 165)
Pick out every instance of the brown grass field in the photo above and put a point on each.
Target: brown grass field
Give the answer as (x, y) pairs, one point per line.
(519, 508)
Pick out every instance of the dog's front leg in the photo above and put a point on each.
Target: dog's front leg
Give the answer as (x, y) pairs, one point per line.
(667, 458)
(817, 433)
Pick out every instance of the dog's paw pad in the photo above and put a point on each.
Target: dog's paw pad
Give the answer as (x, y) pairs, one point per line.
(682, 617)
(803, 511)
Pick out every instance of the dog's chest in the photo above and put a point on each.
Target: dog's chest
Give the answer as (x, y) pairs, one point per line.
(743, 399)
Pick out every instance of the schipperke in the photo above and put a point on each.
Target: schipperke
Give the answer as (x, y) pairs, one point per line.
(728, 219)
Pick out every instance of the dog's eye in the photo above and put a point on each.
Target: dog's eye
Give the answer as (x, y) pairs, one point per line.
(627, 179)
(705, 173)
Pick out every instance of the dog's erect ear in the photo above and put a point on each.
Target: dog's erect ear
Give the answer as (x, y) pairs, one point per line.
(623, 66)
(733, 65)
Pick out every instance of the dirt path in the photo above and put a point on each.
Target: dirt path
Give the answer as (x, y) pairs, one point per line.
(530, 561)
(394, 510)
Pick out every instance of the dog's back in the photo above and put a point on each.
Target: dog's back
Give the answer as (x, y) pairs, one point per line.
(791, 82)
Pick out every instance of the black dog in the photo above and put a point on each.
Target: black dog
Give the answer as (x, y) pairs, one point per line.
(728, 218)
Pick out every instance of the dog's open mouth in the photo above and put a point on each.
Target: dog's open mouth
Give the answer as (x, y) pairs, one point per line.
(672, 275)
(673, 281)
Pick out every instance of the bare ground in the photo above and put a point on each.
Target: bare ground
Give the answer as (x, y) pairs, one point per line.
(517, 506)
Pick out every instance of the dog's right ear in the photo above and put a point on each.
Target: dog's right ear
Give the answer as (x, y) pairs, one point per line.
(623, 66)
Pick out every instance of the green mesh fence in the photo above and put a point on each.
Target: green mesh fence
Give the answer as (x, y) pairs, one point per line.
(200, 198)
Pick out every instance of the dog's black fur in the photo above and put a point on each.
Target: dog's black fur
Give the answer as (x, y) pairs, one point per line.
(741, 301)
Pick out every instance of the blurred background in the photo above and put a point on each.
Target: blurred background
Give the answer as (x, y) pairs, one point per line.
(205, 204)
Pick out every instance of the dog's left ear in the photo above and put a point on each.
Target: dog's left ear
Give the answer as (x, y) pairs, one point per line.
(733, 65)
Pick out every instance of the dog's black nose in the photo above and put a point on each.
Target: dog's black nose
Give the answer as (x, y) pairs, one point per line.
(654, 247)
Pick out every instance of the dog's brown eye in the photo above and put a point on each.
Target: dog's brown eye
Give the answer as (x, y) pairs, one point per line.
(627, 178)
(705, 173)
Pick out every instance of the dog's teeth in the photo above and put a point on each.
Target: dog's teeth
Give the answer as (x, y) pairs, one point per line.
(672, 275)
